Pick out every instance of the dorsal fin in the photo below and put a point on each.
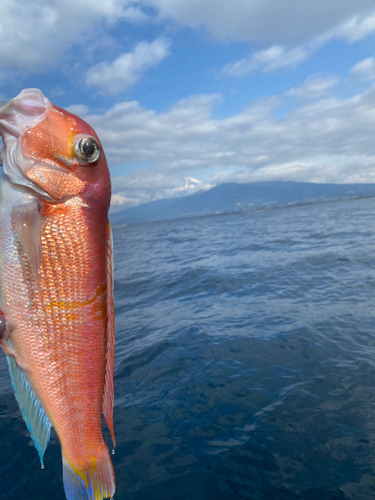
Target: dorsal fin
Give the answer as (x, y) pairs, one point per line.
(108, 400)
(32, 413)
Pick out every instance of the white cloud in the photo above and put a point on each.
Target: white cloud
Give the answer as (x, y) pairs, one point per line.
(147, 185)
(78, 109)
(38, 34)
(314, 87)
(364, 69)
(113, 78)
(35, 35)
(279, 56)
(326, 139)
(333, 169)
(135, 15)
(269, 22)
(119, 199)
(355, 28)
(270, 59)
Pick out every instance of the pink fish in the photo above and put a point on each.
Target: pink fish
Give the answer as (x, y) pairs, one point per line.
(56, 285)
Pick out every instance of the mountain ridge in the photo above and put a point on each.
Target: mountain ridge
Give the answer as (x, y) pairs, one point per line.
(239, 197)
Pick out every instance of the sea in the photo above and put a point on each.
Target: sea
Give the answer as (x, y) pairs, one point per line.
(245, 361)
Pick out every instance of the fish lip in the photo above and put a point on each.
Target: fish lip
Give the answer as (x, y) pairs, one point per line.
(10, 128)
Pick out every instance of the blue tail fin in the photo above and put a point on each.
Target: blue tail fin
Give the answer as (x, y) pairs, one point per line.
(96, 482)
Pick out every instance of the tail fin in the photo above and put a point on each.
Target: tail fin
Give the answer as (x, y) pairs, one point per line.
(96, 482)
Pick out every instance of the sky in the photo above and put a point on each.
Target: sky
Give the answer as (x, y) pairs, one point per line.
(188, 94)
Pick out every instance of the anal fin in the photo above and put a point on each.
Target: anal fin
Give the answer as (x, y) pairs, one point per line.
(33, 414)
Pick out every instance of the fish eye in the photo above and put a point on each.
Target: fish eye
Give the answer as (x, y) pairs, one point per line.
(86, 148)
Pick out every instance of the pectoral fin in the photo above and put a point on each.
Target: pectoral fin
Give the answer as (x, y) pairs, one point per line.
(33, 414)
(5, 344)
(27, 221)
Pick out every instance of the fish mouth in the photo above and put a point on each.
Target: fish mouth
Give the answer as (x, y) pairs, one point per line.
(23, 111)
(4, 105)
(16, 116)
(7, 126)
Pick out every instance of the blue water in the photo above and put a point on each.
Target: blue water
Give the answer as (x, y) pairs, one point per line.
(245, 361)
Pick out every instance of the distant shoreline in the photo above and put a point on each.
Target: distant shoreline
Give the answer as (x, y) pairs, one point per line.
(254, 210)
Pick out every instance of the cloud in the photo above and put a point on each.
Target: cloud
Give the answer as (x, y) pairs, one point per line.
(268, 22)
(146, 185)
(135, 15)
(333, 169)
(113, 78)
(270, 59)
(314, 87)
(279, 56)
(121, 200)
(355, 28)
(36, 34)
(127, 129)
(78, 109)
(325, 139)
(364, 69)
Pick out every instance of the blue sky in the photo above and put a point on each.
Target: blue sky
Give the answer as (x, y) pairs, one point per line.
(186, 94)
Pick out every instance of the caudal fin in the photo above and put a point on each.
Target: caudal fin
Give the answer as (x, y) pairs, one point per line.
(95, 482)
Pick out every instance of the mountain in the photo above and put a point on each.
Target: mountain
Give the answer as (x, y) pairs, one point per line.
(231, 197)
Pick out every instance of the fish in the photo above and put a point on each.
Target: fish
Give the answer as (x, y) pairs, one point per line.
(56, 286)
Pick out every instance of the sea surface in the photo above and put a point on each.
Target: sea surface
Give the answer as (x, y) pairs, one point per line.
(245, 361)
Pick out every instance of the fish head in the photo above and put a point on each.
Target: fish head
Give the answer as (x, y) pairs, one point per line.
(52, 152)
